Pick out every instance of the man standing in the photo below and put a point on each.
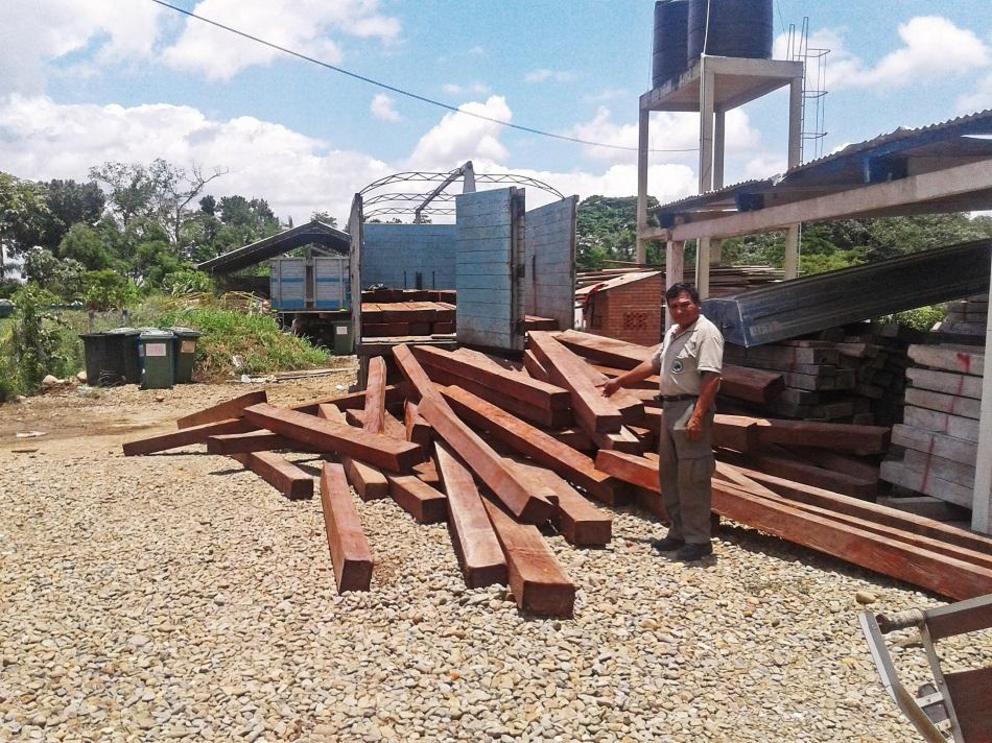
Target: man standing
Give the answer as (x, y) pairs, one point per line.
(689, 361)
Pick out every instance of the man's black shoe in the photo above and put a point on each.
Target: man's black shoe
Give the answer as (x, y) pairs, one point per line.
(668, 544)
(693, 552)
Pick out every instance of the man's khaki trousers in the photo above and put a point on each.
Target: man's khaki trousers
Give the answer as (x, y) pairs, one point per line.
(686, 468)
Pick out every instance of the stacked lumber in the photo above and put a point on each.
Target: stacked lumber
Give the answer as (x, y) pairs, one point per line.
(507, 454)
(937, 442)
(966, 320)
(853, 374)
(724, 280)
(407, 318)
(409, 295)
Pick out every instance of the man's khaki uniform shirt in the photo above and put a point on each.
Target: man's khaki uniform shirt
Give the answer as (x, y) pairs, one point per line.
(681, 358)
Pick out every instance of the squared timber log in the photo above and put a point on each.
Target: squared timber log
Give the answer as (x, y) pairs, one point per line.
(375, 396)
(539, 446)
(417, 498)
(486, 463)
(576, 519)
(417, 429)
(223, 411)
(284, 476)
(337, 438)
(186, 437)
(476, 546)
(350, 552)
(537, 582)
(245, 443)
(368, 481)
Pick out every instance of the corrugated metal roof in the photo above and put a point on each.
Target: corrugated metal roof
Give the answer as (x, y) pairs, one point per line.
(269, 247)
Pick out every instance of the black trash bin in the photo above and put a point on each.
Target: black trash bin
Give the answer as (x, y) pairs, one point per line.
(103, 364)
(123, 343)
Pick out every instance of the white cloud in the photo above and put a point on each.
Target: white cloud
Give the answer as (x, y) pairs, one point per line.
(669, 131)
(544, 75)
(36, 32)
(40, 139)
(979, 100)
(477, 51)
(606, 95)
(933, 48)
(457, 137)
(302, 25)
(470, 89)
(383, 108)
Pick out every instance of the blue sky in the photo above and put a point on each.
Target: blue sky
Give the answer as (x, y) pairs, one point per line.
(93, 80)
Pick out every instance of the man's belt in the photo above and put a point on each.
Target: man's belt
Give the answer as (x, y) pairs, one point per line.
(677, 398)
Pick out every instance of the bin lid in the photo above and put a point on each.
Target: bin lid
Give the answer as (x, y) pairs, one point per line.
(125, 331)
(154, 334)
(185, 332)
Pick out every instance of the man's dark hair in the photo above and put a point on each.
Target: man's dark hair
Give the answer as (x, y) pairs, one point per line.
(684, 286)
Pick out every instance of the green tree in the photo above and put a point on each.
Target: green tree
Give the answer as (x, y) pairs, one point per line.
(606, 229)
(23, 213)
(85, 244)
(69, 203)
(325, 217)
(108, 290)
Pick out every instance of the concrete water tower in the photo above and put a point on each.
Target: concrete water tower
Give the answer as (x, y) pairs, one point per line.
(712, 56)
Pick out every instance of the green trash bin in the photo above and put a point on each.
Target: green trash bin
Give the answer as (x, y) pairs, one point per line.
(184, 353)
(103, 367)
(6, 308)
(343, 345)
(155, 348)
(123, 344)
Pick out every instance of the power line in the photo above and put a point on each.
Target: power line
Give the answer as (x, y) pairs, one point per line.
(407, 93)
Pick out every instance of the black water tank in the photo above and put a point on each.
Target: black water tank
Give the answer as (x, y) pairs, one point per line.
(737, 28)
(671, 36)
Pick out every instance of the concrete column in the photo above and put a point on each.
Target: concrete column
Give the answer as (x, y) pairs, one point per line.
(674, 268)
(707, 88)
(791, 266)
(981, 514)
(719, 148)
(643, 138)
(703, 258)
(795, 121)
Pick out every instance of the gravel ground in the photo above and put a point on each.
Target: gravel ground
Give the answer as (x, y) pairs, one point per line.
(177, 596)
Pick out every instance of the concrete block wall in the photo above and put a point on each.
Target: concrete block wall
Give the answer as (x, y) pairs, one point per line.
(487, 298)
(393, 254)
(632, 312)
(549, 262)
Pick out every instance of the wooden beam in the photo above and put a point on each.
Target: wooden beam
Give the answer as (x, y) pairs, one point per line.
(350, 552)
(575, 518)
(594, 412)
(327, 436)
(392, 427)
(395, 394)
(948, 576)
(186, 437)
(245, 443)
(284, 476)
(222, 411)
(534, 367)
(476, 546)
(486, 463)
(534, 443)
(375, 396)
(420, 383)
(417, 429)
(368, 481)
(861, 201)
(537, 582)
(417, 498)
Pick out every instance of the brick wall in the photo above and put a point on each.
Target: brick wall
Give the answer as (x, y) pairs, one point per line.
(631, 312)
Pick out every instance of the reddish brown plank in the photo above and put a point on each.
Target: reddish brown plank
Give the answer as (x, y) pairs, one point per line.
(536, 444)
(512, 384)
(945, 575)
(486, 463)
(580, 522)
(391, 426)
(534, 367)
(395, 394)
(375, 396)
(338, 438)
(284, 476)
(426, 504)
(427, 471)
(837, 436)
(222, 411)
(476, 546)
(420, 384)
(417, 429)
(778, 462)
(186, 437)
(595, 413)
(245, 443)
(368, 481)
(351, 555)
(537, 582)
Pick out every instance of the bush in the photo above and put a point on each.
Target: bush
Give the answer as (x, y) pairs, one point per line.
(922, 318)
(187, 281)
(108, 290)
(256, 340)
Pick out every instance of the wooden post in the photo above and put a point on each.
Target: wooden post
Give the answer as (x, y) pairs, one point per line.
(981, 514)
(643, 145)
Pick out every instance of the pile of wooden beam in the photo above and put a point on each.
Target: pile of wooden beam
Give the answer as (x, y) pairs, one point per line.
(852, 375)
(724, 280)
(507, 452)
(394, 319)
(937, 442)
(409, 295)
(966, 320)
